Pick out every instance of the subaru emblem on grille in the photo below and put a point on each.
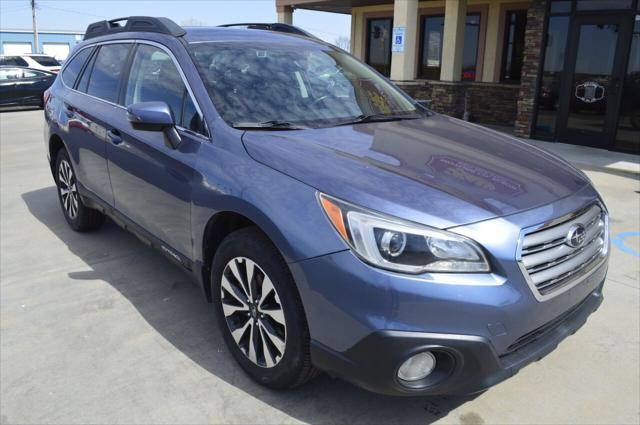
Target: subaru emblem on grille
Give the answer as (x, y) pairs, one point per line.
(576, 236)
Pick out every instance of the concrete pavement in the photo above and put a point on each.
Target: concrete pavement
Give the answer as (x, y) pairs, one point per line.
(98, 328)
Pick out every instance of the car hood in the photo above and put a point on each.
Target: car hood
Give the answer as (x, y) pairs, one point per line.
(438, 170)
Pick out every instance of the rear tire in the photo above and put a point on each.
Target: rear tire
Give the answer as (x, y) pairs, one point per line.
(80, 217)
(259, 311)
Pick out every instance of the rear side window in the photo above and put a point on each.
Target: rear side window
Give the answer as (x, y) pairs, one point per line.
(84, 79)
(107, 70)
(32, 73)
(73, 68)
(13, 61)
(46, 60)
(9, 74)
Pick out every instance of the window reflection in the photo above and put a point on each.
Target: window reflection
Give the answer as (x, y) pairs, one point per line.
(431, 51)
(516, 23)
(379, 45)
(548, 97)
(592, 78)
(300, 83)
(603, 4)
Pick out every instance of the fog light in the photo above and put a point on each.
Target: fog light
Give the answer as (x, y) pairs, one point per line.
(417, 367)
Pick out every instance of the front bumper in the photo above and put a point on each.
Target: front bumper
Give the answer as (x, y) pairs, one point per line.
(364, 321)
(465, 364)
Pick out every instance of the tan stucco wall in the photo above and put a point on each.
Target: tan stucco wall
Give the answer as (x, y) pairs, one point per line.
(493, 17)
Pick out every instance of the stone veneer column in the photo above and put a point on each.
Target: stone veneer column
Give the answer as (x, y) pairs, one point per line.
(530, 67)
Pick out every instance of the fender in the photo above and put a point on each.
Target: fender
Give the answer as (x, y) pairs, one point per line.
(227, 203)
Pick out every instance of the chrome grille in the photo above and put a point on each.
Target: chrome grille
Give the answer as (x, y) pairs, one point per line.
(548, 260)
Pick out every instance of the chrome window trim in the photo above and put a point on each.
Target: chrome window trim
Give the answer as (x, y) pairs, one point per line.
(175, 62)
(580, 276)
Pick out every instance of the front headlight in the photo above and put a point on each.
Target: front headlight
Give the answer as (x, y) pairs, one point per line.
(403, 246)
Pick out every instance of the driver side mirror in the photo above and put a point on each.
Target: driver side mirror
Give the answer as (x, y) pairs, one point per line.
(154, 116)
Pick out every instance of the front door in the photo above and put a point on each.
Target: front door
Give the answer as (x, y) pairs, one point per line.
(593, 80)
(151, 181)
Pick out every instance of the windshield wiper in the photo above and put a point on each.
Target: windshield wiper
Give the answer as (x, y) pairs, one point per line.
(269, 125)
(379, 118)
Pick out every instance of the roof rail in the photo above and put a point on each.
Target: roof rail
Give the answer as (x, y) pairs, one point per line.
(134, 24)
(273, 27)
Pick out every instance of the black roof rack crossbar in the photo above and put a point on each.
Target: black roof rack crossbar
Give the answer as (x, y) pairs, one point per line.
(273, 27)
(134, 24)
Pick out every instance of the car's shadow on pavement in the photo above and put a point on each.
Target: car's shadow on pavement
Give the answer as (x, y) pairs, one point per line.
(167, 299)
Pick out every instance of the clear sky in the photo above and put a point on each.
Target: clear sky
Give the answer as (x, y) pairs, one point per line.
(75, 15)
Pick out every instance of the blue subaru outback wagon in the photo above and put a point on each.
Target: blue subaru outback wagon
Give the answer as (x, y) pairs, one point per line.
(335, 224)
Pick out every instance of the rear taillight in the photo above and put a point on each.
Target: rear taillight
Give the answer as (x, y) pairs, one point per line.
(46, 96)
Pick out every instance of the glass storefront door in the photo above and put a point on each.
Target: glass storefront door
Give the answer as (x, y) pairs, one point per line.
(378, 53)
(594, 72)
(628, 131)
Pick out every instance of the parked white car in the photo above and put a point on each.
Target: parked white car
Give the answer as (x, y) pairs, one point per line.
(33, 61)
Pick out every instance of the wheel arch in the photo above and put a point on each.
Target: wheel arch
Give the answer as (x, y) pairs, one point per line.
(55, 144)
(223, 223)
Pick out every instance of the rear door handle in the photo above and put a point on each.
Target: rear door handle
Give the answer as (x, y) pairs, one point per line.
(114, 136)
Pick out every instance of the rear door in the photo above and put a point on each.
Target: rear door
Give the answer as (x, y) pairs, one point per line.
(152, 182)
(89, 108)
(8, 80)
(31, 85)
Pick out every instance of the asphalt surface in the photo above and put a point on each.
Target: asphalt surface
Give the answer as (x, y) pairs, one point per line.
(99, 328)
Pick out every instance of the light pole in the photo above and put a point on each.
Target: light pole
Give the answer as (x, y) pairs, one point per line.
(35, 26)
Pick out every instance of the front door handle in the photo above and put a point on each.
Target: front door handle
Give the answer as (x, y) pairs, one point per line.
(114, 136)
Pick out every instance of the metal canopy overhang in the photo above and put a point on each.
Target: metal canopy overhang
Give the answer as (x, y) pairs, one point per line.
(335, 6)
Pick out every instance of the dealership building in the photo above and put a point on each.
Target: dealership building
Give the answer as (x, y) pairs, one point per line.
(54, 43)
(560, 70)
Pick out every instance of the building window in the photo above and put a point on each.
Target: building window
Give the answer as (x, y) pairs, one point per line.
(603, 4)
(549, 92)
(470, 53)
(431, 51)
(378, 53)
(513, 51)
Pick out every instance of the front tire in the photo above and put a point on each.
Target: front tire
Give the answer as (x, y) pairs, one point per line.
(80, 217)
(259, 310)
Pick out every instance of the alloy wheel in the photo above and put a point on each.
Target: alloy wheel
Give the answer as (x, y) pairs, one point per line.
(68, 189)
(253, 312)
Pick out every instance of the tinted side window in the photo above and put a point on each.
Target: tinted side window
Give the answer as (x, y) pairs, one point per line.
(191, 119)
(46, 60)
(14, 61)
(73, 68)
(10, 74)
(30, 73)
(107, 70)
(154, 77)
(84, 79)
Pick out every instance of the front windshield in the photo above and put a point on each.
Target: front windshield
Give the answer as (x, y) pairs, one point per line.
(305, 84)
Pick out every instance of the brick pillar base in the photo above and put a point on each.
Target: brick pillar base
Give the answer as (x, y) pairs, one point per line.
(530, 67)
